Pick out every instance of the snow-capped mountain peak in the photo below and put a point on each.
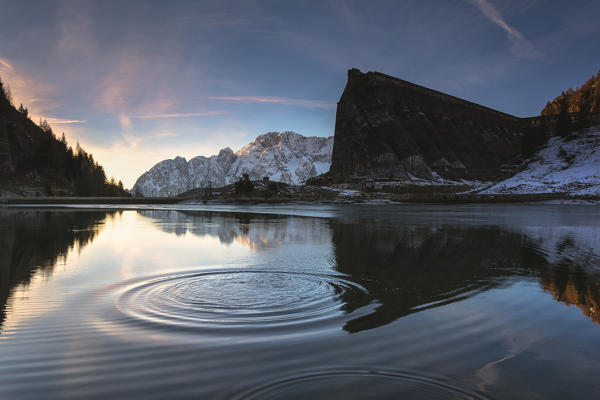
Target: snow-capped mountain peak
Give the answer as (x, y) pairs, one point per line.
(285, 157)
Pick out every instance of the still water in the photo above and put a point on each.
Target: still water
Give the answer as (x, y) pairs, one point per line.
(378, 301)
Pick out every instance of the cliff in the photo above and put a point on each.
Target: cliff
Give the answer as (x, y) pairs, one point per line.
(387, 128)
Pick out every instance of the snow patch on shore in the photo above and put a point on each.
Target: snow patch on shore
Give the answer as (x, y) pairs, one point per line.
(564, 166)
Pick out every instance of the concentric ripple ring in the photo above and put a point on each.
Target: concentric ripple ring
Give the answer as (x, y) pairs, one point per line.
(236, 299)
(361, 384)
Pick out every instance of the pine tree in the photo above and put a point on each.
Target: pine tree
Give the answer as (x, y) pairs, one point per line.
(45, 126)
(563, 123)
(6, 93)
(23, 110)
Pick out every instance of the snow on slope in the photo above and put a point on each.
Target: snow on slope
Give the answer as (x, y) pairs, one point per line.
(284, 157)
(571, 166)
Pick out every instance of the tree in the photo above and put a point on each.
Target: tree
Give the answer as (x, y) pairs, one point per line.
(563, 122)
(583, 118)
(23, 110)
(535, 136)
(45, 126)
(6, 93)
(244, 185)
(120, 184)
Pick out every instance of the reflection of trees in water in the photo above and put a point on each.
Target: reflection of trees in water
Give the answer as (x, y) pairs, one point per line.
(33, 241)
(257, 231)
(573, 287)
(407, 268)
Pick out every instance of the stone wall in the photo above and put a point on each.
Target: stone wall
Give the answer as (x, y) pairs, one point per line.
(387, 128)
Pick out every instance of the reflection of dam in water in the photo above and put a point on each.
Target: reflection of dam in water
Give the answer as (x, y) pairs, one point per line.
(34, 241)
(406, 266)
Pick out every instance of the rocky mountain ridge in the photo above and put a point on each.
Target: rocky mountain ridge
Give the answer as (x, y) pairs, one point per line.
(284, 157)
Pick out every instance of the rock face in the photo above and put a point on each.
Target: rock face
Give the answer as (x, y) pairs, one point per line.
(387, 128)
(284, 157)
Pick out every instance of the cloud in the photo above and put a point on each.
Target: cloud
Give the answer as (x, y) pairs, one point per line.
(520, 46)
(60, 121)
(161, 135)
(5, 64)
(33, 94)
(27, 90)
(134, 140)
(182, 115)
(277, 100)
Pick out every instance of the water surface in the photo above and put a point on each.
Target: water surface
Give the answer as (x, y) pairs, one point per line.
(376, 301)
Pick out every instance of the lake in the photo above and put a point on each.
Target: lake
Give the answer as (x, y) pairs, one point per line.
(300, 301)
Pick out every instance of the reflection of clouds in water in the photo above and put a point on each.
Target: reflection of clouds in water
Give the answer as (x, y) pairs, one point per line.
(33, 243)
(514, 345)
(253, 231)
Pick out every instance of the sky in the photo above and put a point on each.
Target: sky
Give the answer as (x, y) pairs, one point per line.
(137, 82)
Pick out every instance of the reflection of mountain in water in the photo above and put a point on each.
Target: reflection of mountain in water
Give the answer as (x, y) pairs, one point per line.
(257, 231)
(32, 241)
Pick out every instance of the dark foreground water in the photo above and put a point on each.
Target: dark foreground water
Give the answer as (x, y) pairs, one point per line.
(314, 302)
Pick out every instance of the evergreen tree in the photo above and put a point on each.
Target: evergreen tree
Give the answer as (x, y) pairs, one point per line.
(45, 126)
(563, 123)
(584, 99)
(6, 93)
(23, 110)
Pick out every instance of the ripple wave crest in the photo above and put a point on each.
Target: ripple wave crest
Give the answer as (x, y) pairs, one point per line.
(237, 301)
(361, 384)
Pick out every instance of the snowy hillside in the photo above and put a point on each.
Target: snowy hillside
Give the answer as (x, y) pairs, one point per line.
(570, 166)
(284, 157)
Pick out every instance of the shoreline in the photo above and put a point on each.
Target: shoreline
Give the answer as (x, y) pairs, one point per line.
(361, 197)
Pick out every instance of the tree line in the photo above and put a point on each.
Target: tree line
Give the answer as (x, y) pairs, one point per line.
(585, 99)
(55, 160)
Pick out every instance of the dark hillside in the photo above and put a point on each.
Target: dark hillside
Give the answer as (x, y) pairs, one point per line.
(33, 161)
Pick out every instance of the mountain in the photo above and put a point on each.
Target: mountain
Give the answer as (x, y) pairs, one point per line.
(284, 157)
(34, 162)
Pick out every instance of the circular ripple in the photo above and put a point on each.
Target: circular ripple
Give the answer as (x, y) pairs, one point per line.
(236, 299)
(361, 384)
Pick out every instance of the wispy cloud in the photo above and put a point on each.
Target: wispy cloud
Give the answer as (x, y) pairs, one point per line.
(61, 121)
(521, 47)
(182, 115)
(5, 64)
(134, 140)
(28, 90)
(277, 100)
